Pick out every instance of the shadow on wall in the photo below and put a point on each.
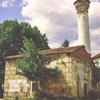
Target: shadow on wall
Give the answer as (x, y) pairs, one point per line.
(56, 88)
(1, 91)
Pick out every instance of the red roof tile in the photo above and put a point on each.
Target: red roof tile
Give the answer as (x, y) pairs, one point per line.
(62, 50)
(77, 52)
(82, 54)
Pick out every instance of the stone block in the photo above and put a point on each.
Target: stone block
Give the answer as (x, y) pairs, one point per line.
(8, 72)
(6, 89)
(17, 77)
(6, 77)
(7, 68)
(22, 77)
(10, 94)
(6, 85)
(66, 59)
(6, 81)
(53, 64)
(59, 61)
(11, 76)
(21, 94)
(23, 98)
(8, 98)
(13, 72)
(13, 68)
(68, 65)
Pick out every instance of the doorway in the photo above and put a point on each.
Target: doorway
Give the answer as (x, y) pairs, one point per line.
(85, 90)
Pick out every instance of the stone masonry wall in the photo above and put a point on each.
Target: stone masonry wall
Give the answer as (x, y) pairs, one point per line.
(14, 85)
(82, 75)
(63, 85)
(74, 73)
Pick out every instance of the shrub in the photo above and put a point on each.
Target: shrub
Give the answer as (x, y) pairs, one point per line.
(94, 94)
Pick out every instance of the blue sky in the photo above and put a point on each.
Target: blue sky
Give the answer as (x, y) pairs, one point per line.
(56, 18)
(10, 12)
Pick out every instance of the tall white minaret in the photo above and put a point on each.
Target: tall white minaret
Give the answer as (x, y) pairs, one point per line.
(82, 7)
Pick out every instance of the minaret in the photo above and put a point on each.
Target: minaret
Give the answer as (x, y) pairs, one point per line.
(82, 7)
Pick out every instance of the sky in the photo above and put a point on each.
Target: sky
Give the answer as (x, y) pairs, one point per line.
(55, 18)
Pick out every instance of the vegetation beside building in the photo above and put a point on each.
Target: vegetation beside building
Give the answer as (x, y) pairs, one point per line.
(12, 34)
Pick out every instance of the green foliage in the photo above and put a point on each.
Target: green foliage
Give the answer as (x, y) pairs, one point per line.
(40, 96)
(11, 37)
(37, 95)
(16, 98)
(11, 40)
(33, 65)
(51, 72)
(96, 73)
(65, 43)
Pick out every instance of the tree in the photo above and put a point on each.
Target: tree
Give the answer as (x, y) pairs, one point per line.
(96, 73)
(11, 40)
(65, 43)
(33, 65)
(11, 37)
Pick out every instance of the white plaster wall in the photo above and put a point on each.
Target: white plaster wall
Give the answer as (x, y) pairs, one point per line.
(14, 85)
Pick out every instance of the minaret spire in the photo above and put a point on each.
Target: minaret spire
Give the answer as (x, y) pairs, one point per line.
(82, 7)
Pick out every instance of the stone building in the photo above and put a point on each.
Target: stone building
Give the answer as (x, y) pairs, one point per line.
(75, 65)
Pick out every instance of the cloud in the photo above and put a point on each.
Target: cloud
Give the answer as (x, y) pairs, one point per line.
(94, 16)
(95, 0)
(58, 19)
(52, 17)
(6, 3)
(95, 41)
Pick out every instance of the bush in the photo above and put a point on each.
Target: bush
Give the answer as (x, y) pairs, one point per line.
(94, 94)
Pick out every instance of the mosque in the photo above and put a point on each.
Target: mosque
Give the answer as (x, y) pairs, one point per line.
(74, 62)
